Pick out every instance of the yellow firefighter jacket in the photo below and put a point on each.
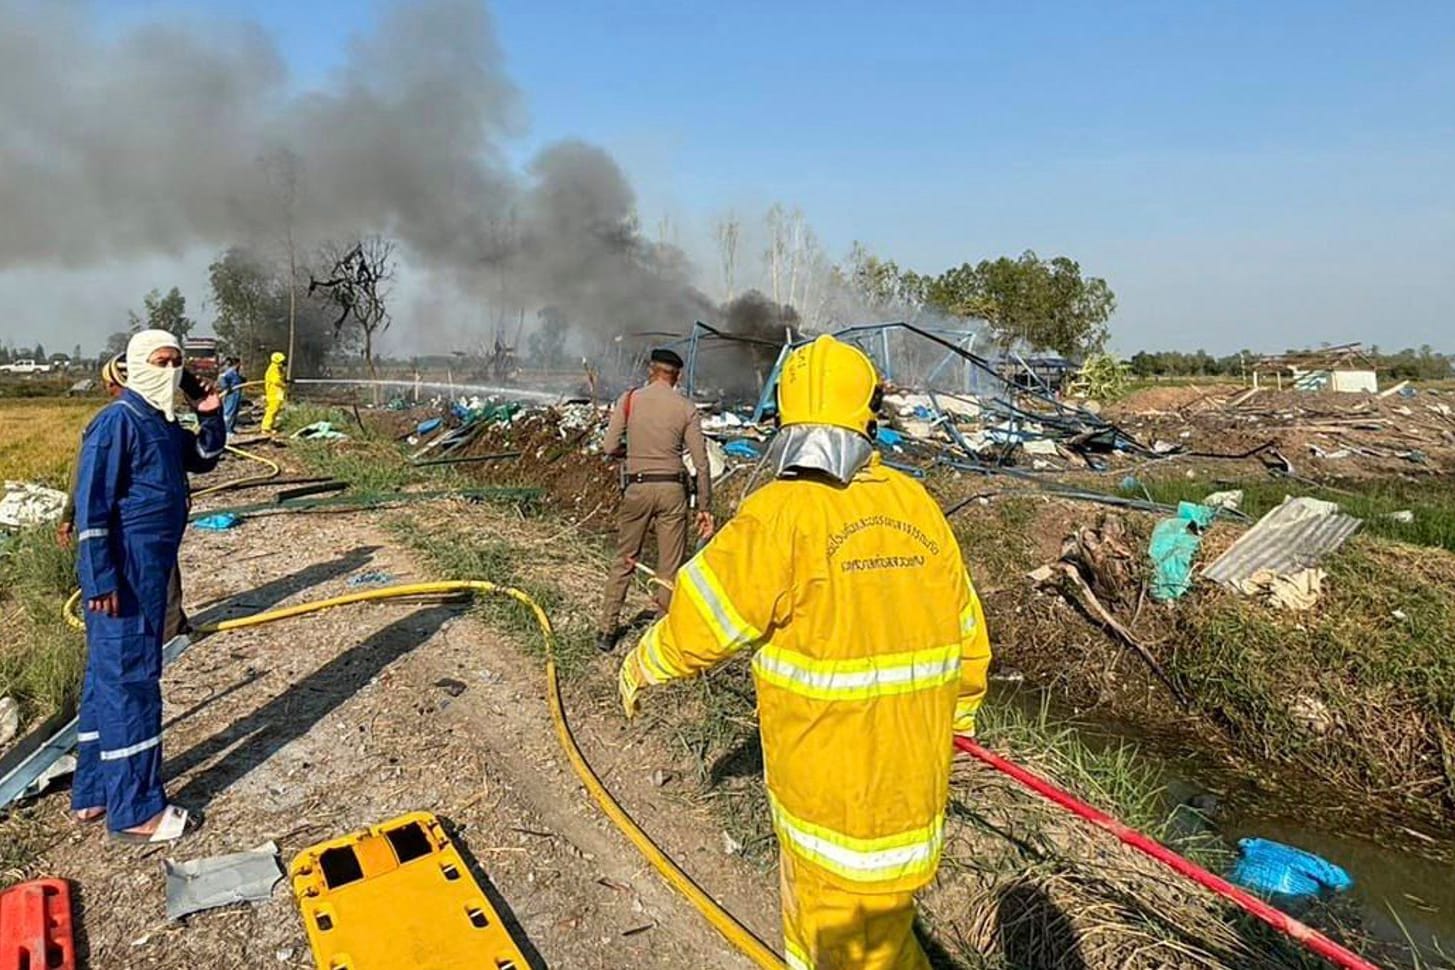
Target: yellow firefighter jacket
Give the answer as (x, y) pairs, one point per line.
(870, 650)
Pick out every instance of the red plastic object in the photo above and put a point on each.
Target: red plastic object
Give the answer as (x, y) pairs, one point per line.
(1309, 937)
(35, 926)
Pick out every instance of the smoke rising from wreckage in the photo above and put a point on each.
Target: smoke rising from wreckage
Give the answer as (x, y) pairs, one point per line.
(111, 151)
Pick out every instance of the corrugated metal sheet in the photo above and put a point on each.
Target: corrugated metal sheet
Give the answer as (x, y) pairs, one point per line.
(1294, 536)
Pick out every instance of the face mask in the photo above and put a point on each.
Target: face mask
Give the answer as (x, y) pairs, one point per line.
(157, 386)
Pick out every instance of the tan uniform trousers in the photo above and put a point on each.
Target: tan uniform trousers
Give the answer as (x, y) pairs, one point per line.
(645, 505)
(176, 619)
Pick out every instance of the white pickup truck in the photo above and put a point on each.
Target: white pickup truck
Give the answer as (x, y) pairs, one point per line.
(26, 367)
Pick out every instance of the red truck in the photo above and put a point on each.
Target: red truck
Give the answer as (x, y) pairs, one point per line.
(201, 353)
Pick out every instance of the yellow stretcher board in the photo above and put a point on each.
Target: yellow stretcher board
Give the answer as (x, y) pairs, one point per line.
(398, 897)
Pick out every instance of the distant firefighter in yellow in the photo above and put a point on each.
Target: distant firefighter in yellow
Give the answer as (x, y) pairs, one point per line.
(275, 387)
(870, 652)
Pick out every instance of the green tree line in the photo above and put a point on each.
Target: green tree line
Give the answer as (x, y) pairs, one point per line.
(1423, 364)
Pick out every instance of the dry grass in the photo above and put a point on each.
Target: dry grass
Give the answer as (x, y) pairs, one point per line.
(39, 436)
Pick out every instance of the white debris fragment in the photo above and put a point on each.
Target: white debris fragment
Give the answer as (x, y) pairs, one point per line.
(26, 503)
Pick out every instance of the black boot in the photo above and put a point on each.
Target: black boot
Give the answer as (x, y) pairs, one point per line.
(606, 642)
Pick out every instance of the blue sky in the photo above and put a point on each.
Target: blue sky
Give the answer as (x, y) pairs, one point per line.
(1243, 174)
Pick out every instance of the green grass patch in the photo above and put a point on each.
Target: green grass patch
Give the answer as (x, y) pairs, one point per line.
(1431, 501)
(498, 561)
(1112, 775)
(369, 462)
(1360, 690)
(41, 658)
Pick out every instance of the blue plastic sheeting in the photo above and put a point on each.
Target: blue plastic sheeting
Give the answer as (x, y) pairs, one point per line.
(217, 523)
(740, 448)
(890, 437)
(1275, 869)
(428, 425)
(1174, 543)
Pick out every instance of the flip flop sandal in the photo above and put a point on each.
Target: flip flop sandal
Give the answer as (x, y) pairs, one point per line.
(172, 827)
(84, 819)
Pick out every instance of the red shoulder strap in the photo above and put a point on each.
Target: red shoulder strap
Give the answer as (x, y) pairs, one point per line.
(627, 407)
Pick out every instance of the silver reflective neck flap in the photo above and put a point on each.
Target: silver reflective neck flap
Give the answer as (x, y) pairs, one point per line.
(835, 452)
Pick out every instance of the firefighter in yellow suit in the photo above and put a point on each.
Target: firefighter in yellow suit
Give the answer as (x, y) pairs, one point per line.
(870, 652)
(274, 391)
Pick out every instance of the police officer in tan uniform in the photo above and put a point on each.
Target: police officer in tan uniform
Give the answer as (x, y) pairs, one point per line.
(658, 424)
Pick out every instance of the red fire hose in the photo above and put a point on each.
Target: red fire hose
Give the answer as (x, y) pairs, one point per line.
(1280, 921)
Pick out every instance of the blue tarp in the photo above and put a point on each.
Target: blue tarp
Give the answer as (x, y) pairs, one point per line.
(1272, 868)
(740, 448)
(1174, 543)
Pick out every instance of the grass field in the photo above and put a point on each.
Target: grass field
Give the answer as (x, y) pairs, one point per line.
(39, 436)
(40, 658)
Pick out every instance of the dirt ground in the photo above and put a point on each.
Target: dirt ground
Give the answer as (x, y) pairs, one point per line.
(305, 729)
(309, 728)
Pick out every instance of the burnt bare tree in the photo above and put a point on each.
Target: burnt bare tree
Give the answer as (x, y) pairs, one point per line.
(358, 285)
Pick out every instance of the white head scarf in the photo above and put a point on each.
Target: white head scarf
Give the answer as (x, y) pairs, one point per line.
(157, 385)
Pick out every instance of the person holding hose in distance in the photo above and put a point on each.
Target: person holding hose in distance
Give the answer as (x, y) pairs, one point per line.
(275, 391)
(871, 651)
(131, 509)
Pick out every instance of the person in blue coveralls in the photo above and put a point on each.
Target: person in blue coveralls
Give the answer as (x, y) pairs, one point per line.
(131, 509)
(229, 383)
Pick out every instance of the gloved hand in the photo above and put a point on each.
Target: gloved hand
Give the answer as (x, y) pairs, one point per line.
(964, 723)
(628, 685)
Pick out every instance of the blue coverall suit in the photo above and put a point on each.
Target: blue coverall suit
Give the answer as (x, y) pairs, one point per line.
(131, 509)
(228, 384)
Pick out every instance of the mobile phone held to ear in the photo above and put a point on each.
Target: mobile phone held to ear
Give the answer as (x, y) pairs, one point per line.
(192, 386)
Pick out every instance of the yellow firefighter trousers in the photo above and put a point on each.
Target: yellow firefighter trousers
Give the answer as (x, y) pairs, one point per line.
(828, 928)
(273, 405)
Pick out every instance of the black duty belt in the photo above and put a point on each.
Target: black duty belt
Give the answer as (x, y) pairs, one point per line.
(655, 478)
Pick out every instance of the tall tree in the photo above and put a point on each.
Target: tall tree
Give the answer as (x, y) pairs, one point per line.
(357, 286)
(727, 244)
(167, 313)
(254, 305)
(548, 342)
(243, 292)
(1043, 304)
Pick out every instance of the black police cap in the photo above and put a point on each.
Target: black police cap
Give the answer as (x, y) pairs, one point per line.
(668, 358)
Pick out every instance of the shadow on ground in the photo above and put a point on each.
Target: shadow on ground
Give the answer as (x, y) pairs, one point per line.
(508, 919)
(264, 597)
(253, 739)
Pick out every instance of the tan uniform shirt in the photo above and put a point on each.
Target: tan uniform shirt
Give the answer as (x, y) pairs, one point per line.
(663, 423)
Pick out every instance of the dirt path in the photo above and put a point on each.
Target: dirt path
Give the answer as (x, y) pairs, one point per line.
(309, 728)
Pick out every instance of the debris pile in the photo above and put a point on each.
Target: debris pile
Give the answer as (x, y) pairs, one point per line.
(1313, 432)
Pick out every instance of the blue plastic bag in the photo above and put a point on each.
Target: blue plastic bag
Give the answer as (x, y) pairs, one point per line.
(218, 522)
(740, 448)
(1174, 543)
(426, 426)
(1272, 868)
(889, 437)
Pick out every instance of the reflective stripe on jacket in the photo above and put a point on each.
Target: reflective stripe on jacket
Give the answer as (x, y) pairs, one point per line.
(870, 648)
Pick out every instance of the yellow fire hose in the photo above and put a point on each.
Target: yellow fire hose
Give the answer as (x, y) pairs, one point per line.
(273, 472)
(723, 921)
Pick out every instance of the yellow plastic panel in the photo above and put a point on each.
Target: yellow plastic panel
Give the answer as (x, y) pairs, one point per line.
(398, 897)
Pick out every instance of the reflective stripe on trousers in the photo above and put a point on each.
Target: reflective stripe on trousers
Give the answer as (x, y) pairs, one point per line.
(912, 853)
(826, 927)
